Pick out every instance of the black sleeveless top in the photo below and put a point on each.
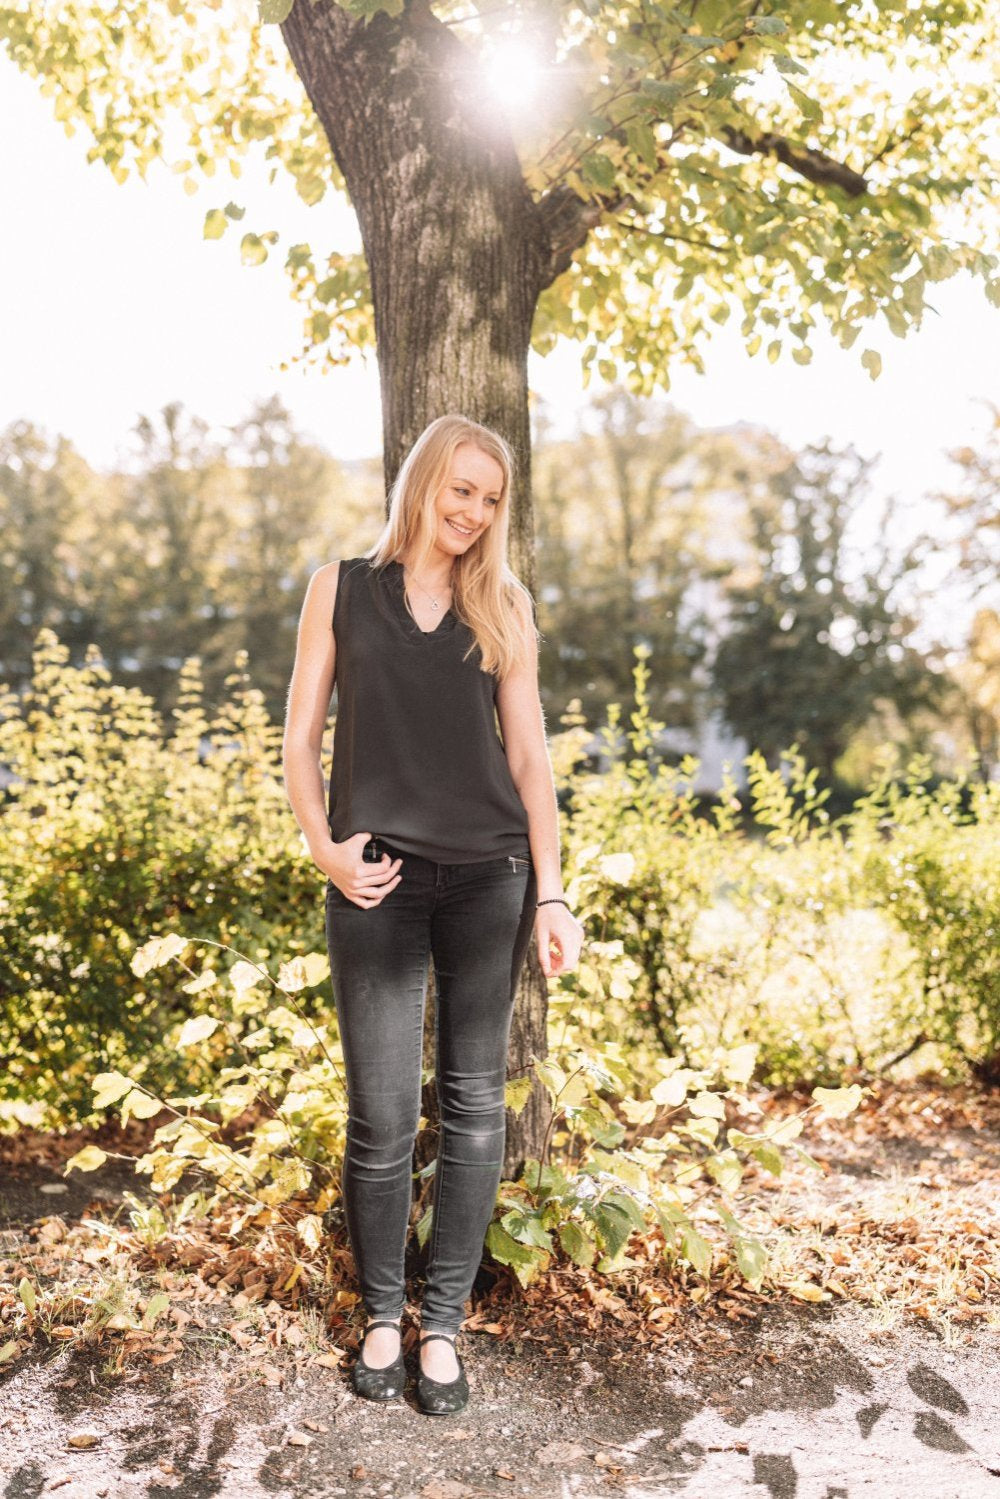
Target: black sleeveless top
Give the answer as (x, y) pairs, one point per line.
(417, 756)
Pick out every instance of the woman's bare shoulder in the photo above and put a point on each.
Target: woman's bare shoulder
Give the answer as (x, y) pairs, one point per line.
(324, 579)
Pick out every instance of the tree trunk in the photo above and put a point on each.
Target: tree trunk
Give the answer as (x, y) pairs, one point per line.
(458, 254)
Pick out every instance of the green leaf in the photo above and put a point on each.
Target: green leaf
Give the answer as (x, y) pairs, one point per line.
(154, 1308)
(662, 92)
(578, 1245)
(767, 25)
(215, 224)
(26, 1291)
(7, 1352)
(627, 1205)
(786, 64)
(526, 1228)
(697, 1251)
(253, 250)
(727, 1170)
(769, 1157)
(273, 12)
(704, 1130)
(615, 1225)
(809, 108)
(525, 1262)
(517, 1091)
(424, 1225)
(598, 170)
(643, 142)
(751, 1258)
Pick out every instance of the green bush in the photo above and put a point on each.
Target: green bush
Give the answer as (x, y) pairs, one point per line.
(833, 947)
(111, 832)
(271, 1127)
(930, 858)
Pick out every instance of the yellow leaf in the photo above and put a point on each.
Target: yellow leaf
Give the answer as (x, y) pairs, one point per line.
(804, 1290)
(198, 1028)
(87, 1159)
(837, 1103)
(156, 952)
(139, 1105)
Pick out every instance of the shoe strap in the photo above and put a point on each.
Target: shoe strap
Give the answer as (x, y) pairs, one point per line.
(382, 1322)
(449, 1337)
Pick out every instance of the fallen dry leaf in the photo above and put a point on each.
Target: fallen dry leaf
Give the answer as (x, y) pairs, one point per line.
(83, 1439)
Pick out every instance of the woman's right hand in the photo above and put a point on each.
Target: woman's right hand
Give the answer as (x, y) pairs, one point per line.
(365, 884)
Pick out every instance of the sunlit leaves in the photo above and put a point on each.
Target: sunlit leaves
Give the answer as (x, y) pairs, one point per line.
(156, 952)
(197, 1029)
(837, 1103)
(109, 1087)
(273, 12)
(642, 117)
(90, 1158)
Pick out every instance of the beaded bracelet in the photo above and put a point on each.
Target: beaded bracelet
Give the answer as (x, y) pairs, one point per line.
(553, 900)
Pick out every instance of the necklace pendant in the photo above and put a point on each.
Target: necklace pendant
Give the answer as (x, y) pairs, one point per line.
(434, 603)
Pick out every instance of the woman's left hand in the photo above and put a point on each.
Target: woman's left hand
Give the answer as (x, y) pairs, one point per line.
(560, 938)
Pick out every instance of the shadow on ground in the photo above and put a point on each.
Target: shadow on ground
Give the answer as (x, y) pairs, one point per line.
(840, 1413)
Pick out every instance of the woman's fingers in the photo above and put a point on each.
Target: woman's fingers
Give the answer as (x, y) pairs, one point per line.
(560, 938)
(372, 892)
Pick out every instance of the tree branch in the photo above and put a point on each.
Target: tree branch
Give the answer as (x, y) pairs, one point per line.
(814, 165)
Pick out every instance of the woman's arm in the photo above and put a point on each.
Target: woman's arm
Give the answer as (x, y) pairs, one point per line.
(522, 724)
(309, 696)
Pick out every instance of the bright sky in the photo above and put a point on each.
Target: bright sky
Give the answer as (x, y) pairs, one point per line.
(114, 305)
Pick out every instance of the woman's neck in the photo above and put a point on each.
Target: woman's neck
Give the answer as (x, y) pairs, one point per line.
(436, 578)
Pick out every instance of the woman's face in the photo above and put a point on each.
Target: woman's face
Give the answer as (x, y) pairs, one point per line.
(468, 501)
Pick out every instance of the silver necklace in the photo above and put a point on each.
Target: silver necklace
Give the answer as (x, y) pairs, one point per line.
(434, 602)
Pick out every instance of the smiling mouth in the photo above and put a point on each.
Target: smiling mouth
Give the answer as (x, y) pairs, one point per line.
(455, 527)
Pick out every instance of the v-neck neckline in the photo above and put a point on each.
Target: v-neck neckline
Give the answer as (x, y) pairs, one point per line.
(447, 621)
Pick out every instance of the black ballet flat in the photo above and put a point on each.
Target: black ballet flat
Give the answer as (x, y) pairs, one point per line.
(379, 1384)
(438, 1397)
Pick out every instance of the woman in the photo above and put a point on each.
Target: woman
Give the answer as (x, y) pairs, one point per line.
(440, 841)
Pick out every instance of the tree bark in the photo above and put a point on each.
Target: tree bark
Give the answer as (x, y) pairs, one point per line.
(457, 254)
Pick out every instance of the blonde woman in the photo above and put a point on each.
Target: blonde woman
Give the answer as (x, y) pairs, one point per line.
(439, 841)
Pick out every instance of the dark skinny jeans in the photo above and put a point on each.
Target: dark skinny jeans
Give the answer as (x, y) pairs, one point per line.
(476, 921)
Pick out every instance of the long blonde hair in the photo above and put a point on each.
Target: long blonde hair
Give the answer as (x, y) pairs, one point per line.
(486, 594)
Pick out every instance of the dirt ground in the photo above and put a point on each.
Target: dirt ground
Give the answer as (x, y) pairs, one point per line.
(841, 1414)
(830, 1401)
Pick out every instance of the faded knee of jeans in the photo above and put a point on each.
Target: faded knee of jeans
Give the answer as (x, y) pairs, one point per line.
(474, 1119)
(380, 1138)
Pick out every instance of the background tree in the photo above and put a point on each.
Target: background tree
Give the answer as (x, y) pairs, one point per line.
(198, 545)
(46, 492)
(972, 512)
(616, 513)
(816, 639)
